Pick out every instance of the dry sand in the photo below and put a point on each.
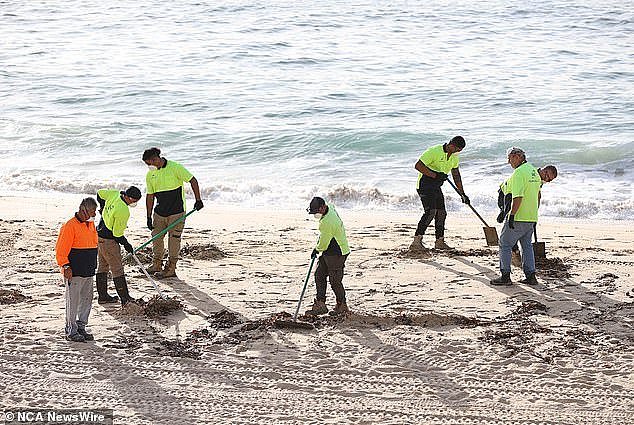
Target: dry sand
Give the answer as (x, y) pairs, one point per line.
(429, 341)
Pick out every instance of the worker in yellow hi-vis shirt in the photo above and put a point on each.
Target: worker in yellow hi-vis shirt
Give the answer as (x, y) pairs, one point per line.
(334, 249)
(165, 183)
(115, 212)
(433, 167)
(524, 186)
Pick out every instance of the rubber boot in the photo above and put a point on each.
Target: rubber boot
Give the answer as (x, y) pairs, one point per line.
(340, 309)
(440, 244)
(168, 271)
(101, 280)
(319, 307)
(157, 266)
(516, 258)
(503, 280)
(530, 280)
(121, 286)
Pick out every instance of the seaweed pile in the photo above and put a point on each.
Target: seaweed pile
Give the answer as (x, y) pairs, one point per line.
(12, 296)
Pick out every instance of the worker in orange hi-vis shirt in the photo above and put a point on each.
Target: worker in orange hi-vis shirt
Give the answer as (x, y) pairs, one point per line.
(76, 254)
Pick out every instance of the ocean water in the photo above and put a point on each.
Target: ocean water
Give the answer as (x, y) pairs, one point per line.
(270, 103)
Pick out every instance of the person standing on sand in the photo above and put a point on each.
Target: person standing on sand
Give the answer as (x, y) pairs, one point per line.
(546, 174)
(433, 166)
(523, 185)
(115, 213)
(165, 182)
(76, 255)
(334, 249)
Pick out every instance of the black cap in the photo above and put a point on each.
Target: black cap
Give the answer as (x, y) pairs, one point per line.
(315, 204)
(133, 192)
(458, 141)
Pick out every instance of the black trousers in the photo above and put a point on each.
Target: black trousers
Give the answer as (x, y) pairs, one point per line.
(331, 267)
(433, 202)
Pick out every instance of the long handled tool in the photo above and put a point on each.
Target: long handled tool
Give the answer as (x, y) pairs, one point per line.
(301, 297)
(148, 275)
(161, 233)
(294, 323)
(490, 233)
(539, 248)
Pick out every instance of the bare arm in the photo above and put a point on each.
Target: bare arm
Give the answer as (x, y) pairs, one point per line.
(516, 204)
(423, 169)
(149, 203)
(195, 188)
(457, 179)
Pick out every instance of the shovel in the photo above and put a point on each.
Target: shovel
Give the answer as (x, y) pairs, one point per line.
(490, 233)
(294, 323)
(539, 248)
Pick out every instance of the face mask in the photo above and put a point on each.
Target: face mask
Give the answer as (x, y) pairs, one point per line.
(132, 204)
(91, 219)
(152, 167)
(318, 216)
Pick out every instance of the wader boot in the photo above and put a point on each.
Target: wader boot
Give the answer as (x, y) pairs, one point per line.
(319, 307)
(530, 280)
(101, 280)
(156, 267)
(341, 309)
(440, 244)
(168, 271)
(504, 280)
(121, 286)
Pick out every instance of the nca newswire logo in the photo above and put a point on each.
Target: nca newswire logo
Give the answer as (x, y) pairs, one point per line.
(58, 416)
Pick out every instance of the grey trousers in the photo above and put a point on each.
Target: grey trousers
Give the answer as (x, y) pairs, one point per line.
(78, 303)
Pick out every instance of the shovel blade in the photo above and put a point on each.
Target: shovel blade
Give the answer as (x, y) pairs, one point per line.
(539, 249)
(491, 235)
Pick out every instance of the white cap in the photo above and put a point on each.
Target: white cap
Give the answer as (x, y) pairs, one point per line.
(515, 151)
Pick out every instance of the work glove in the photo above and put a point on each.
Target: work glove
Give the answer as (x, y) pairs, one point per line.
(441, 176)
(314, 254)
(500, 218)
(465, 199)
(198, 205)
(500, 199)
(128, 247)
(511, 221)
(149, 223)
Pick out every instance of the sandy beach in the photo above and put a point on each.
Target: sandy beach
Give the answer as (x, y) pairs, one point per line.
(429, 340)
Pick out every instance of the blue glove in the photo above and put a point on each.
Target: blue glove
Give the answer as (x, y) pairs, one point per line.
(512, 221)
(465, 199)
(314, 254)
(198, 205)
(149, 223)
